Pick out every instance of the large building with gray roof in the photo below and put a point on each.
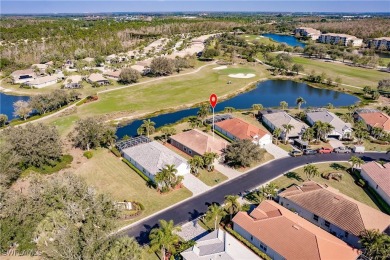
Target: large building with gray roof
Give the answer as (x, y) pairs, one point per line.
(341, 129)
(276, 119)
(151, 157)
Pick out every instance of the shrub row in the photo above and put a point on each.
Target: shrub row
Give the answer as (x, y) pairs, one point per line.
(247, 243)
(223, 136)
(379, 199)
(146, 178)
(116, 152)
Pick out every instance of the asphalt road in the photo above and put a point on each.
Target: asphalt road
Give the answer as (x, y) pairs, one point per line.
(196, 206)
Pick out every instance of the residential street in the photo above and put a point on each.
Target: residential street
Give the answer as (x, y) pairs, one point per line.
(192, 208)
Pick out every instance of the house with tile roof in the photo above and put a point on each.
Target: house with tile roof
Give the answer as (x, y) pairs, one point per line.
(333, 211)
(374, 118)
(22, 76)
(151, 157)
(237, 129)
(218, 245)
(282, 234)
(196, 142)
(378, 177)
(341, 129)
(276, 119)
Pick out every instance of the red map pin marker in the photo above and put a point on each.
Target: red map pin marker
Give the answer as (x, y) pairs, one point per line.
(213, 100)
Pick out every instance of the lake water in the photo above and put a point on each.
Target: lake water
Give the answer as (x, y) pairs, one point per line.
(268, 93)
(287, 39)
(6, 104)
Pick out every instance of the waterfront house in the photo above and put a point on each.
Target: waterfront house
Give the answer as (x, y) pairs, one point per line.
(341, 129)
(42, 82)
(374, 118)
(22, 76)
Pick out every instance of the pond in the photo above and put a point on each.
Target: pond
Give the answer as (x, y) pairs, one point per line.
(287, 39)
(6, 104)
(268, 93)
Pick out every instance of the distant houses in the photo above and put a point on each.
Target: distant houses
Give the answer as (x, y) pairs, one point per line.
(237, 129)
(277, 118)
(341, 129)
(196, 142)
(98, 79)
(340, 39)
(374, 119)
(151, 157)
(308, 32)
(22, 76)
(382, 43)
(113, 74)
(377, 177)
(73, 82)
(42, 82)
(333, 211)
(282, 234)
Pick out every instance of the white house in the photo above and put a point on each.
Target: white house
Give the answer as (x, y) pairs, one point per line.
(22, 76)
(218, 245)
(338, 38)
(333, 211)
(281, 234)
(151, 157)
(42, 82)
(341, 129)
(237, 129)
(378, 177)
(276, 119)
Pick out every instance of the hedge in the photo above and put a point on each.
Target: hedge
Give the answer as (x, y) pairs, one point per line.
(247, 243)
(223, 136)
(379, 199)
(146, 178)
(116, 152)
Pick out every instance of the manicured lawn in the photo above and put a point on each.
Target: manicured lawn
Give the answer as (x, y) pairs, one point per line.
(211, 178)
(375, 147)
(168, 93)
(263, 40)
(346, 186)
(354, 76)
(64, 124)
(108, 174)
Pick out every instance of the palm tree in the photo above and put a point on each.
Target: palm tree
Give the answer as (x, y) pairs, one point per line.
(194, 122)
(232, 205)
(348, 117)
(276, 133)
(283, 105)
(375, 244)
(214, 211)
(171, 172)
(162, 179)
(269, 190)
(310, 170)
(208, 160)
(164, 238)
(168, 131)
(356, 162)
(360, 135)
(327, 129)
(256, 107)
(146, 127)
(377, 132)
(203, 112)
(287, 130)
(299, 102)
(196, 163)
(318, 127)
(308, 135)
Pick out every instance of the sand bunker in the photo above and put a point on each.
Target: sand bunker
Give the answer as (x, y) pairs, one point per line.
(220, 68)
(242, 75)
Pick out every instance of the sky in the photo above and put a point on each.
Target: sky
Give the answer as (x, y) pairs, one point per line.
(93, 6)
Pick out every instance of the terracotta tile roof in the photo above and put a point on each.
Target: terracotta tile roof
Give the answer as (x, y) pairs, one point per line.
(337, 208)
(241, 129)
(200, 142)
(291, 236)
(376, 119)
(379, 174)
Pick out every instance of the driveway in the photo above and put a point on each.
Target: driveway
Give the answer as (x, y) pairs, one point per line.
(276, 151)
(335, 142)
(195, 185)
(194, 207)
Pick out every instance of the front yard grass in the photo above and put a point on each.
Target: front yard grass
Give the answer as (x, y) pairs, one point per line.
(108, 174)
(346, 186)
